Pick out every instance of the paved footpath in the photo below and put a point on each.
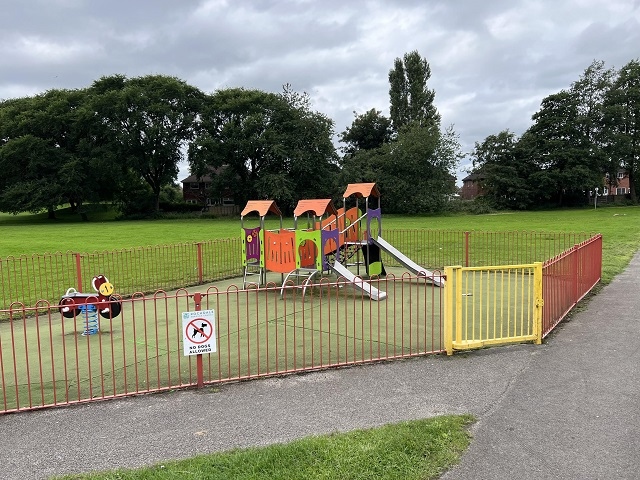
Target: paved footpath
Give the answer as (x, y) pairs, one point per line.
(565, 410)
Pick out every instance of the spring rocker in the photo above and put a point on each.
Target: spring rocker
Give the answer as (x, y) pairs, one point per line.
(91, 306)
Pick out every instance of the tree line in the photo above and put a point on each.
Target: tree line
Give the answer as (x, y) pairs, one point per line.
(121, 140)
(580, 139)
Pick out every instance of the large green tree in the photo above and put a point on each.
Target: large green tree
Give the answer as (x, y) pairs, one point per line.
(622, 118)
(408, 155)
(590, 91)
(562, 150)
(367, 131)
(149, 121)
(270, 145)
(505, 171)
(47, 156)
(415, 172)
(411, 100)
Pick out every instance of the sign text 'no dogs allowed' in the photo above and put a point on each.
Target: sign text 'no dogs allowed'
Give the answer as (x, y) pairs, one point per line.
(199, 332)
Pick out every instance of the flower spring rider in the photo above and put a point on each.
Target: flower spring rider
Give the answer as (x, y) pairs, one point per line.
(88, 306)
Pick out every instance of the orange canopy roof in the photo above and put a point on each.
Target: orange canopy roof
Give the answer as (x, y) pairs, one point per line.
(362, 190)
(318, 207)
(262, 207)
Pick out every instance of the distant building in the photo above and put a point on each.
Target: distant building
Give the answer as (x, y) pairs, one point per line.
(618, 185)
(197, 189)
(472, 186)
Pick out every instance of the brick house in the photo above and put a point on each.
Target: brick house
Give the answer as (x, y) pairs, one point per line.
(617, 186)
(472, 186)
(197, 189)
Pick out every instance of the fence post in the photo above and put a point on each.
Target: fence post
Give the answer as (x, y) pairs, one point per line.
(448, 310)
(200, 268)
(539, 302)
(458, 304)
(466, 249)
(197, 298)
(79, 271)
(575, 255)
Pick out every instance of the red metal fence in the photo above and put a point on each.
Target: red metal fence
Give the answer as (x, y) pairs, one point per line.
(45, 360)
(567, 278)
(32, 278)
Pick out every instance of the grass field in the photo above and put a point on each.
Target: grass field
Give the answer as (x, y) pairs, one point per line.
(28, 234)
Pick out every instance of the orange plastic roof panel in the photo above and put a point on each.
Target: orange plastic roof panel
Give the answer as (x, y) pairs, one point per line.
(262, 207)
(318, 207)
(362, 190)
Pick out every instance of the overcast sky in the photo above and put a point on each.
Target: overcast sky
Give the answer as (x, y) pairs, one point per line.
(492, 61)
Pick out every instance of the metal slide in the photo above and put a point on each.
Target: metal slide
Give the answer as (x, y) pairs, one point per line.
(407, 262)
(367, 288)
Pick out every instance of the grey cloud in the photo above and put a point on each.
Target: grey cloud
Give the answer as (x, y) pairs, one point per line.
(492, 62)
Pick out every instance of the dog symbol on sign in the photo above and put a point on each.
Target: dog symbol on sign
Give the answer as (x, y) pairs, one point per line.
(199, 330)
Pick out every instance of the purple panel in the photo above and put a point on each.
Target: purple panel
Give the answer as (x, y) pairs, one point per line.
(371, 214)
(325, 237)
(251, 242)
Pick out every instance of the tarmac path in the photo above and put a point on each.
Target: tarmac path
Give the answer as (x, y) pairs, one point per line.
(568, 409)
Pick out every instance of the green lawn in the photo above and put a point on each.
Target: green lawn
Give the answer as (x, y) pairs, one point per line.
(27, 234)
(414, 450)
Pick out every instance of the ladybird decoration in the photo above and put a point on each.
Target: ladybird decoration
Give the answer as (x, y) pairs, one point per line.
(107, 307)
(107, 304)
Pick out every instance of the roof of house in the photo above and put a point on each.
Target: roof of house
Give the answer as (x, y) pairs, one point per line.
(473, 177)
(206, 177)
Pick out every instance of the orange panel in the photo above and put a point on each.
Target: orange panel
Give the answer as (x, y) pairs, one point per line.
(353, 233)
(280, 251)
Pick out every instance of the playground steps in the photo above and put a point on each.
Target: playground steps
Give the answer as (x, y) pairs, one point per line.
(345, 252)
(252, 270)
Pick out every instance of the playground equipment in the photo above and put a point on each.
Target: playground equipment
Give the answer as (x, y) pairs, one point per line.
(300, 253)
(331, 239)
(89, 305)
(254, 262)
(375, 239)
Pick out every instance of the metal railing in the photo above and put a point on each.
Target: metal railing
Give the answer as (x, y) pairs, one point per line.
(567, 278)
(46, 360)
(32, 278)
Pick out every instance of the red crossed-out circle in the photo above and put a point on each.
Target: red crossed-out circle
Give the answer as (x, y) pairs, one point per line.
(202, 332)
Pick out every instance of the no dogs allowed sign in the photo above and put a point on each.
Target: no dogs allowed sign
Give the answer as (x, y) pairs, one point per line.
(199, 332)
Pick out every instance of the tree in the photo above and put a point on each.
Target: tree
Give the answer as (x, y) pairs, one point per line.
(47, 157)
(367, 131)
(562, 150)
(590, 91)
(149, 121)
(622, 118)
(505, 171)
(412, 160)
(415, 172)
(274, 145)
(411, 99)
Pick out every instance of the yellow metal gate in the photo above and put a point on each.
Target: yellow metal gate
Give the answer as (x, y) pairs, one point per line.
(492, 305)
